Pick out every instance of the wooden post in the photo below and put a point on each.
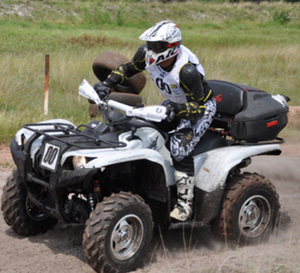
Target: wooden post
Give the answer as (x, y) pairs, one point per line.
(46, 84)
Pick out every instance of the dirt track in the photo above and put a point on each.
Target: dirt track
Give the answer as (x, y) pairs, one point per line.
(193, 251)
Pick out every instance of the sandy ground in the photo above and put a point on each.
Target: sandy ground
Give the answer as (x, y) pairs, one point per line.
(193, 251)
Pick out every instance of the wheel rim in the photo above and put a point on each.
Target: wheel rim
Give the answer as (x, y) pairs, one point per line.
(127, 237)
(34, 212)
(254, 216)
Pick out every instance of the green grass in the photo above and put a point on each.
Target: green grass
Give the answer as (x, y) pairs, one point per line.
(253, 44)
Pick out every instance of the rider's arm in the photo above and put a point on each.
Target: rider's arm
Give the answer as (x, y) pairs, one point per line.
(127, 70)
(191, 81)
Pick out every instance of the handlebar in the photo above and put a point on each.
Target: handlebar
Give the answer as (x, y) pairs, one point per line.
(154, 113)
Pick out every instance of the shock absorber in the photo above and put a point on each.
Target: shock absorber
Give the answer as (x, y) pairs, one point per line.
(97, 190)
(91, 201)
(94, 194)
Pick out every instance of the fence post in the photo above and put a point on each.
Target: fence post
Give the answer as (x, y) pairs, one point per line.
(46, 85)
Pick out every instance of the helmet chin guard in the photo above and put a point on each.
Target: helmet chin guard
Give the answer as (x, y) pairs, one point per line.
(163, 42)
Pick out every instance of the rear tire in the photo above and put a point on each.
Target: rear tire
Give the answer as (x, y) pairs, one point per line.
(21, 214)
(118, 233)
(250, 209)
(107, 61)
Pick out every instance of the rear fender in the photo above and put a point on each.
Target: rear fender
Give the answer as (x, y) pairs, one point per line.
(213, 167)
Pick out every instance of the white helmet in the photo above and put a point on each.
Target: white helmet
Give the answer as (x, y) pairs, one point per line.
(163, 42)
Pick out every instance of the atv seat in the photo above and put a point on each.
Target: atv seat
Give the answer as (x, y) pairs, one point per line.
(209, 141)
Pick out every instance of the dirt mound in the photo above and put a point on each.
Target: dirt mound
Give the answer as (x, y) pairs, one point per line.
(294, 117)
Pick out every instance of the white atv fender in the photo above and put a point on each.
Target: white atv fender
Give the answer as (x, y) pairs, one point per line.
(147, 144)
(115, 156)
(212, 167)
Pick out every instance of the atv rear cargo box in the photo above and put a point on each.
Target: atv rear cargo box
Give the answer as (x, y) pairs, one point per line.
(247, 113)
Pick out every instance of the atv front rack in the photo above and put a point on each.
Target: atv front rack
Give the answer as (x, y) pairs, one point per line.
(80, 139)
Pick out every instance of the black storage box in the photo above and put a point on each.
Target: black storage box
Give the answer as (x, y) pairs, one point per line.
(247, 113)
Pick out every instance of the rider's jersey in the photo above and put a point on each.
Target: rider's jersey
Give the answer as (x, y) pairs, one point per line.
(168, 83)
(183, 83)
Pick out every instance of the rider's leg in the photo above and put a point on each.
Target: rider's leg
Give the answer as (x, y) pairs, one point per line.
(186, 137)
(185, 194)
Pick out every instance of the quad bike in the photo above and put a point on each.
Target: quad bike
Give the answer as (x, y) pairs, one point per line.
(117, 178)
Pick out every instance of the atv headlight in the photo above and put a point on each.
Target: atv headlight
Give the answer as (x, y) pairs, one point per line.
(78, 162)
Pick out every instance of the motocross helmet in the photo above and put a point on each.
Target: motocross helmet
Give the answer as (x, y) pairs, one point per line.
(163, 42)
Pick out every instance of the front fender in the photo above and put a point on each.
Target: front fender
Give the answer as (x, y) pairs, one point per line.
(212, 168)
(118, 156)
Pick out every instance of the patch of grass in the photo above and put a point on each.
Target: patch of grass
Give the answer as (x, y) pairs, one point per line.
(282, 17)
(239, 42)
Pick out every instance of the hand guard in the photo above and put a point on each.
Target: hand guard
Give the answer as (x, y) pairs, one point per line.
(102, 90)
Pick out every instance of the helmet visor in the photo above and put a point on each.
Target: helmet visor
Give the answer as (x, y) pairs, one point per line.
(157, 47)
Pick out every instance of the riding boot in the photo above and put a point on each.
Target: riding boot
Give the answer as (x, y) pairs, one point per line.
(185, 194)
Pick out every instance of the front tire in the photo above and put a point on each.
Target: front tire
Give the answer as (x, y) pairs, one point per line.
(250, 209)
(19, 212)
(118, 233)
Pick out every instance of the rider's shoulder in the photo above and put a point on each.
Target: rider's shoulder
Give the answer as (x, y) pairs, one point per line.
(188, 70)
(140, 53)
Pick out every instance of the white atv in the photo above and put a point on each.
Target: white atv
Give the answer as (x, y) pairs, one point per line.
(117, 177)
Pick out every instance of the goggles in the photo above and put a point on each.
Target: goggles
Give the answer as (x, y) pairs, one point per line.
(157, 47)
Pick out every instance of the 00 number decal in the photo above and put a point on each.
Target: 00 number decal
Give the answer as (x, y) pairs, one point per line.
(50, 157)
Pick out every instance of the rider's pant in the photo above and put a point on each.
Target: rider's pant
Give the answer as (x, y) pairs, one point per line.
(187, 136)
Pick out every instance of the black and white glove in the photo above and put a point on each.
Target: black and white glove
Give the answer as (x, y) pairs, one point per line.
(170, 112)
(102, 90)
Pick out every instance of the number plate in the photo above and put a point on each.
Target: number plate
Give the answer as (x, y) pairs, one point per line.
(50, 157)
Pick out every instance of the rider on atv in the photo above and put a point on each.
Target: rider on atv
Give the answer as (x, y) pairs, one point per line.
(180, 78)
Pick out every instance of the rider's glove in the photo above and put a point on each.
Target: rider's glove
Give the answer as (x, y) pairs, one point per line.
(170, 112)
(172, 106)
(102, 90)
